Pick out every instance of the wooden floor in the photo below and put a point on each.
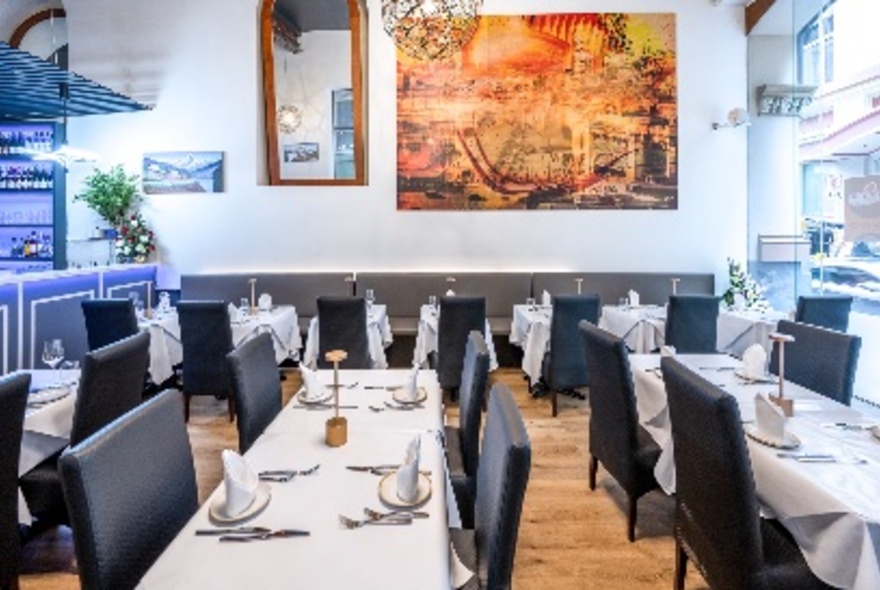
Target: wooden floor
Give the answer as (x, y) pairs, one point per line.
(570, 537)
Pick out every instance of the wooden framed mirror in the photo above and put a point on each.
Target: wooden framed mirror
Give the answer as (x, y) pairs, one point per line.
(314, 80)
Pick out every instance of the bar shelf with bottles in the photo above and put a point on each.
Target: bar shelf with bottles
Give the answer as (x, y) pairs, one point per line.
(31, 199)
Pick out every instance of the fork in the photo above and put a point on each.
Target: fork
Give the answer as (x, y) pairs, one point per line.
(285, 475)
(376, 515)
(351, 523)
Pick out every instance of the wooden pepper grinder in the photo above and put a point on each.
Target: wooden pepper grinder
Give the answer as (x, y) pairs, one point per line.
(337, 426)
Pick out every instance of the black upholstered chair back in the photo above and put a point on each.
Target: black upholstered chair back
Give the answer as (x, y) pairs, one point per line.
(256, 387)
(459, 316)
(819, 359)
(111, 384)
(692, 323)
(108, 320)
(567, 364)
(613, 414)
(716, 517)
(206, 338)
(342, 324)
(826, 311)
(474, 375)
(13, 400)
(130, 489)
(502, 477)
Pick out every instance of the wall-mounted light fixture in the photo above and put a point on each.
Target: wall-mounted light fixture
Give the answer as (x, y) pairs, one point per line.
(735, 118)
(784, 100)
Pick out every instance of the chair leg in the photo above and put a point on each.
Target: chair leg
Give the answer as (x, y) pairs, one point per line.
(553, 401)
(631, 517)
(231, 403)
(594, 467)
(186, 397)
(681, 560)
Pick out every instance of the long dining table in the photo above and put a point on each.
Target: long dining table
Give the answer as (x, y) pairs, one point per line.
(415, 555)
(166, 350)
(827, 499)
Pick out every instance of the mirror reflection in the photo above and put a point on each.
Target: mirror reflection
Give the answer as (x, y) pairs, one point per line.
(313, 69)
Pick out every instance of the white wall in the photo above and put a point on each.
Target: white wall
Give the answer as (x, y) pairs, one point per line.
(210, 99)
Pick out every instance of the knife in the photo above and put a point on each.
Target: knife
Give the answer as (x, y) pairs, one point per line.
(242, 530)
(809, 457)
(279, 534)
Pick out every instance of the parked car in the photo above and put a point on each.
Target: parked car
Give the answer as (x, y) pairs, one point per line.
(855, 277)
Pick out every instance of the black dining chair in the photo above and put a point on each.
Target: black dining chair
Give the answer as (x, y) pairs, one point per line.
(130, 489)
(825, 311)
(206, 339)
(108, 320)
(13, 401)
(565, 366)
(111, 384)
(819, 359)
(256, 387)
(617, 440)
(717, 521)
(502, 477)
(342, 325)
(692, 323)
(459, 316)
(463, 440)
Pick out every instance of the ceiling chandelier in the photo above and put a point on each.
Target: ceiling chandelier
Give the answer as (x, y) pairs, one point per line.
(431, 29)
(289, 118)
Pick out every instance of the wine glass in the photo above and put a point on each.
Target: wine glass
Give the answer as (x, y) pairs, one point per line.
(53, 354)
(432, 302)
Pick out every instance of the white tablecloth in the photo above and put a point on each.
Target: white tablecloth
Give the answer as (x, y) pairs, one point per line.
(831, 509)
(166, 350)
(379, 337)
(530, 330)
(426, 338)
(388, 557)
(737, 330)
(46, 427)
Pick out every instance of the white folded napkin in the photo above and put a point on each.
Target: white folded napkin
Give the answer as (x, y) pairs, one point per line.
(667, 350)
(164, 302)
(410, 388)
(240, 483)
(633, 297)
(769, 419)
(265, 302)
(754, 362)
(459, 574)
(408, 474)
(546, 298)
(312, 384)
(233, 311)
(739, 301)
(450, 293)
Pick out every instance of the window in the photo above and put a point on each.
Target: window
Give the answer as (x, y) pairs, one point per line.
(816, 49)
(343, 134)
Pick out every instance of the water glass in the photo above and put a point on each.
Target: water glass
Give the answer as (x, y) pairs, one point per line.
(624, 302)
(370, 296)
(432, 302)
(53, 354)
(530, 302)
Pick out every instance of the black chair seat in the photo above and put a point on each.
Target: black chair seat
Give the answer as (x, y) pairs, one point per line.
(41, 486)
(646, 456)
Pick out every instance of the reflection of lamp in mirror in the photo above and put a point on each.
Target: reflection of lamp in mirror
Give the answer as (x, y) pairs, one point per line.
(430, 29)
(289, 118)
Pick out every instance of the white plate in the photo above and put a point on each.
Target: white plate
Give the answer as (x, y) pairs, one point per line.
(327, 394)
(218, 506)
(767, 378)
(790, 442)
(388, 491)
(49, 394)
(399, 396)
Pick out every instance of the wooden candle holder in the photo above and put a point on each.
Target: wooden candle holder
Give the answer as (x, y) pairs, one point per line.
(337, 426)
(674, 282)
(579, 282)
(784, 403)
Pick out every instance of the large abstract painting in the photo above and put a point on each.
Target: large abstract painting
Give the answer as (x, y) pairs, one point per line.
(552, 111)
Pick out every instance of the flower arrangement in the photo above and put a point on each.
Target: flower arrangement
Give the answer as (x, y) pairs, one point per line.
(751, 294)
(134, 240)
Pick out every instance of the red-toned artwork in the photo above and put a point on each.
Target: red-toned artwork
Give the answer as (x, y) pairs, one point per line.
(552, 111)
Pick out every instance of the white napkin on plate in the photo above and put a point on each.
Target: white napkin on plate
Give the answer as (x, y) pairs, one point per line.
(633, 297)
(408, 474)
(769, 419)
(240, 483)
(314, 389)
(410, 388)
(754, 362)
(450, 293)
(546, 298)
(265, 302)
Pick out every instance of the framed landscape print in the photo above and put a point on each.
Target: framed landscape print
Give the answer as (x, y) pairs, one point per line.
(182, 172)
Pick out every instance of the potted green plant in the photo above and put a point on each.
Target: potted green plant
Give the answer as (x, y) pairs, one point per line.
(112, 194)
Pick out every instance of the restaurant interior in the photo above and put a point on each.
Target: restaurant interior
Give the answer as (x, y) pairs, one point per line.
(598, 284)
